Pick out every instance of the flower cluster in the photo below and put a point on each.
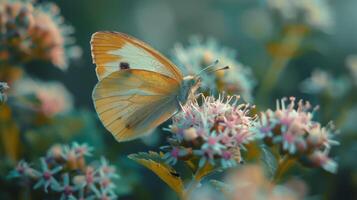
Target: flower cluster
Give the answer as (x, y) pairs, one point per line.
(3, 87)
(322, 82)
(199, 54)
(210, 133)
(34, 32)
(64, 171)
(314, 13)
(292, 128)
(249, 182)
(51, 98)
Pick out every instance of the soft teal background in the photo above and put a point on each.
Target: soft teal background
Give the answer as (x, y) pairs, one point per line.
(166, 22)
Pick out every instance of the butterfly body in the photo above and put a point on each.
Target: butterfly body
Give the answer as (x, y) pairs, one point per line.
(138, 88)
(187, 89)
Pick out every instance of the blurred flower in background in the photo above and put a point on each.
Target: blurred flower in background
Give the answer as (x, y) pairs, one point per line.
(250, 182)
(200, 54)
(257, 23)
(51, 98)
(64, 172)
(314, 13)
(32, 32)
(214, 133)
(321, 82)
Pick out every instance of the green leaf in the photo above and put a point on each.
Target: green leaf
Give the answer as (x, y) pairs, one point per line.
(156, 164)
(269, 160)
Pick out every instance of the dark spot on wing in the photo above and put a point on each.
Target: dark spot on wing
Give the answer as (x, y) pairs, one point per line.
(128, 126)
(124, 65)
(175, 174)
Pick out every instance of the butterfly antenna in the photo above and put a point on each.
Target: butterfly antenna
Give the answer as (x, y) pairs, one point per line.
(207, 68)
(219, 69)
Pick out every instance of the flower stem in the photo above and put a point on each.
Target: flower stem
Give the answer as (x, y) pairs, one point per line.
(284, 164)
(281, 56)
(198, 176)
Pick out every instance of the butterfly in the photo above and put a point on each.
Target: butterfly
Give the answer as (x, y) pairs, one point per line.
(138, 88)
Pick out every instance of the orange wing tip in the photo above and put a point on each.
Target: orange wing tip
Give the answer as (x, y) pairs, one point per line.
(102, 43)
(107, 38)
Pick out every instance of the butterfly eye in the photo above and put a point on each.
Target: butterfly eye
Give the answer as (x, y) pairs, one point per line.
(124, 65)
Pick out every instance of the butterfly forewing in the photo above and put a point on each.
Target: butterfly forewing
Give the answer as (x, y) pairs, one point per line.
(132, 102)
(113, 51)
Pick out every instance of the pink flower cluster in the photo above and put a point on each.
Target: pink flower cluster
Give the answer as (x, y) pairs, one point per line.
(214, 131)
(64, 172)
(52, 98)
(35, 31)
(292, 127)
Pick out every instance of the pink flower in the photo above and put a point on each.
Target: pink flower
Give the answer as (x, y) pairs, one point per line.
(210, 130)
(37, 32)
(321, 159)
(53, 97)
(292, 128)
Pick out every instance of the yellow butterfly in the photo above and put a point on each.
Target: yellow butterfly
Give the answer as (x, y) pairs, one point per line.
(138, 88)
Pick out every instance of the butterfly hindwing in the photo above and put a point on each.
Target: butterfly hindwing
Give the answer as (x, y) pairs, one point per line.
(113, 51)
(132, 102)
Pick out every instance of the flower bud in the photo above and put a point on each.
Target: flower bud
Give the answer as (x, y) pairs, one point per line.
(190, 134)
(79, 180)
(56, 151)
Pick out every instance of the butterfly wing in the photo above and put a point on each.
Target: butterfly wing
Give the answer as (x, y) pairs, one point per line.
(132, 102)
(112, 51)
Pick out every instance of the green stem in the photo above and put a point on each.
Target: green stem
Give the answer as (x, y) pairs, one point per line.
(197, 177)
(291, 42)
(284, 164)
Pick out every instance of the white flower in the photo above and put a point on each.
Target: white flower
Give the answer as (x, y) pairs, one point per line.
(315, 13)
(322, 82)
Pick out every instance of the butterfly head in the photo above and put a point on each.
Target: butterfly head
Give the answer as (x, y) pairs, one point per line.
(190, 84)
